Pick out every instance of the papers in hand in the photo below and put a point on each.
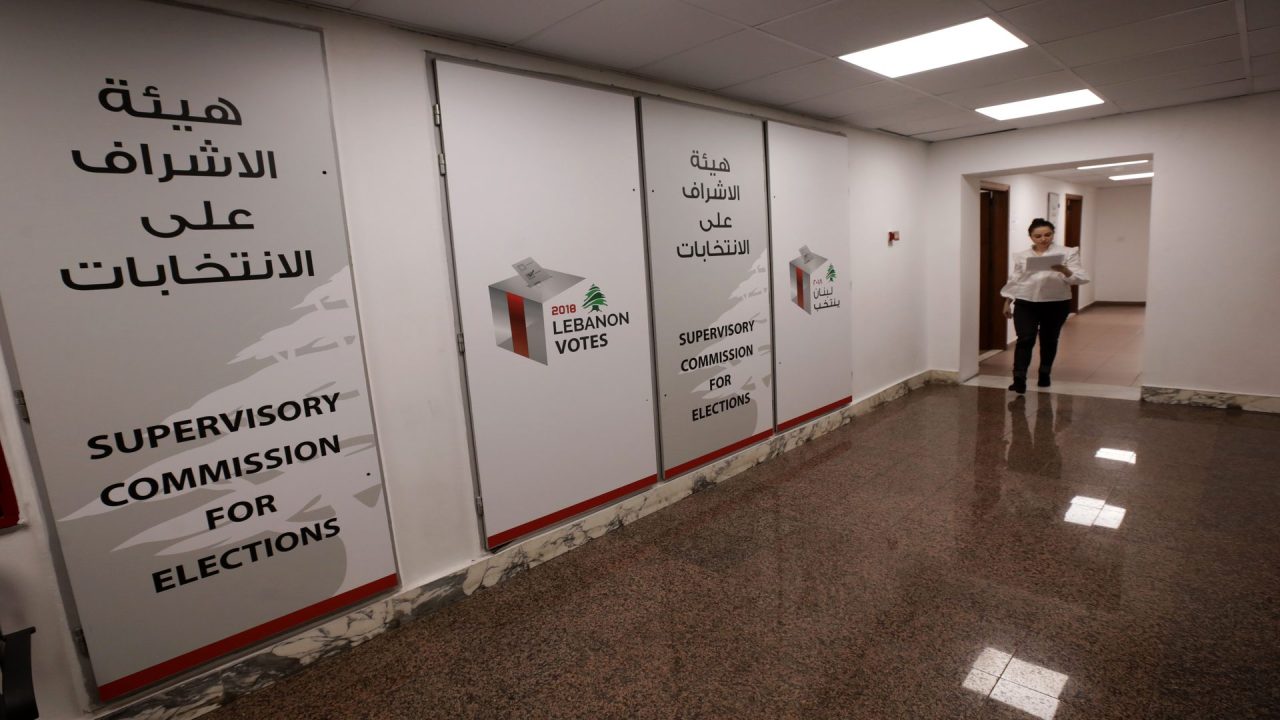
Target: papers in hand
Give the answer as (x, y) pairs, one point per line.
(1036, 263)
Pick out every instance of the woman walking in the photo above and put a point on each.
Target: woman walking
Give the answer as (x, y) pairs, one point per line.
(1039, 301)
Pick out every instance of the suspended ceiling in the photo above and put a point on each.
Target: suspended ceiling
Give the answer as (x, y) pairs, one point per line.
(1135, 54)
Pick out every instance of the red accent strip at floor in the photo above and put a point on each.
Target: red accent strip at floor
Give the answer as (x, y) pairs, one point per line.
(519, 333)
(709, 457)
(507, 536)
(811, 415)
(186, 661)
(8, 500)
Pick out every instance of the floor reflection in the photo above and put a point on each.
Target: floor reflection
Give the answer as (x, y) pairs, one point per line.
(1091, 512)
(1017, 683)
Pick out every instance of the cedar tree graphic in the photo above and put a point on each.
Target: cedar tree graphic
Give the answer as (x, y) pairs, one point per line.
(595, 299)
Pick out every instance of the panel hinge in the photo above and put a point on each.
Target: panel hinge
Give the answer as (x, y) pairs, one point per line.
(22, 406)
(440, 158)
(435, 113)
(479, 506)
(82, 645)
(462, 345)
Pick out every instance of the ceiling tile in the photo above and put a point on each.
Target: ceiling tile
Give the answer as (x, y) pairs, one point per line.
(846, 26)
(1002, 5)
(953, 119)
(1265, 64)
(1264, 42)
(1186, 95)
(965, 131)
(866, 97)
(1022, 89)
(1165, 61)
(1027, 62)
(1146, 37)
(1057, 19)
(1262, 13)
(754, 12)
(915, 117)
(1266, 83)
(1192, 77)
(920, 108)
(807, 81)
(627, 34)
(730, 60)
(503, 21)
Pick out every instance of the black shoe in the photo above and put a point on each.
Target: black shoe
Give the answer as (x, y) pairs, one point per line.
(1044, 380)
(1019, 385)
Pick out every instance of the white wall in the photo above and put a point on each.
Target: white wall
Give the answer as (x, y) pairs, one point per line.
(1211, 282)
(1123, 238)
(885, 174)
(1028, 200)
(394, 207)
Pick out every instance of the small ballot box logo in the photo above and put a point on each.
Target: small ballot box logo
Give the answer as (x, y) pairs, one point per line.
(807, 280)
(532, 316)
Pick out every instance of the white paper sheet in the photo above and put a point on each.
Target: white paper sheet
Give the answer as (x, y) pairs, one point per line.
(1036, 263)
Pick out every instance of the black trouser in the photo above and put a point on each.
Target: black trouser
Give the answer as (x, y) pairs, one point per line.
(1030, 317)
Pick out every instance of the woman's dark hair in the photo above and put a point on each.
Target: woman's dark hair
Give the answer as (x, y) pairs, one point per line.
(1040, 222)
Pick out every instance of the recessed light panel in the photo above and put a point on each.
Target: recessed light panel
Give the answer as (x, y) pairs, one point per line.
(1135, 176)
(1042, 105)
(1114, 164)
(949, 46)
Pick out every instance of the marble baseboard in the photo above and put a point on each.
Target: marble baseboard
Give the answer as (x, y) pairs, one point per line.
(1206, 398)
(206, 692)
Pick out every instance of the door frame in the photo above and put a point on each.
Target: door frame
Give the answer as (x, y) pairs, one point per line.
(1071, 238)
(993, 268)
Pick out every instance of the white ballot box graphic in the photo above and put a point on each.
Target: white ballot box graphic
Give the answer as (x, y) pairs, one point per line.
(520, 311)
(802, 270)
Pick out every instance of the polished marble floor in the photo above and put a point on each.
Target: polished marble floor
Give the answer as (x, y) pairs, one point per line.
(1100, 346)
(956, 554)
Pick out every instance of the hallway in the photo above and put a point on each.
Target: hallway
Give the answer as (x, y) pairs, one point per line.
(1101, 346)
(926, 561)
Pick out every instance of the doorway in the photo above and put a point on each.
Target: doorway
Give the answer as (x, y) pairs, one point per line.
(994, 238)
(1107, 222)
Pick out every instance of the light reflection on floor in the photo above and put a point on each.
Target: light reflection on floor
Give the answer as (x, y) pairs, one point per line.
(1092, 512)
(1017, 683)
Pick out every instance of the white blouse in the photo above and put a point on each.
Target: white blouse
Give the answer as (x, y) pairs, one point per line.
(1044, 285)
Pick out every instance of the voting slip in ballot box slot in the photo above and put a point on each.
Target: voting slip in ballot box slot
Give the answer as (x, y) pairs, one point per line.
(802, 271)
(520, 312)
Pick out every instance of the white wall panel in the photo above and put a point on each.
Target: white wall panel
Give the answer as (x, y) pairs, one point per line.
(809, 210)
(558, 363)
(709, 254)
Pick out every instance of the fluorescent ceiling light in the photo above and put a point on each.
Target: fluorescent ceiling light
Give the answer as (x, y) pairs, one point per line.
(1115, 164)
(1042, 105)
(1134, 176)
(970, 41)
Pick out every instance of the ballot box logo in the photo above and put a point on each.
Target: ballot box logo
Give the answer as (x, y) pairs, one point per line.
(534, 315)
(812, 282)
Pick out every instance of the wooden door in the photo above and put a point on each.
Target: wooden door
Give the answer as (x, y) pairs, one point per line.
(1075, 216)
(993, 267)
